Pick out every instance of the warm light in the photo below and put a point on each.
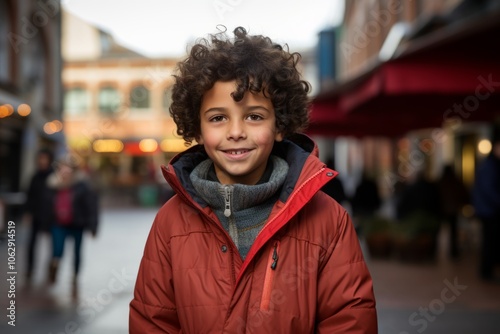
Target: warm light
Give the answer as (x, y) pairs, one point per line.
(24, 109)
(50, 128)
(79, 143)
(173, 145)
(468, 163)
(484, 146)
(107, 146)
(6, 110)
(148, 145)
(58, 124)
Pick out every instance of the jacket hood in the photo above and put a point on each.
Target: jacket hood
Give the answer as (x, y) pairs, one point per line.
(295, 150)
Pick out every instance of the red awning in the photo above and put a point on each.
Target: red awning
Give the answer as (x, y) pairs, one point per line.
(458, 76)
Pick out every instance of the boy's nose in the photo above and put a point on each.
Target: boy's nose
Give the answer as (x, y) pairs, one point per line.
(236, 130)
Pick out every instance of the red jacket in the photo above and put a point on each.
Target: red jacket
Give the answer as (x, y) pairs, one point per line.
(305, 272)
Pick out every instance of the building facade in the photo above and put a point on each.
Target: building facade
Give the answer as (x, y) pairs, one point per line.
(116, 108)
(30, 91)
(404, 97)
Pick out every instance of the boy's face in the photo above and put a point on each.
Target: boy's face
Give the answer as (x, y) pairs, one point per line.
(238, 136)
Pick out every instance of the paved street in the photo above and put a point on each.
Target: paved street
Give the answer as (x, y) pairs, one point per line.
(442, 297)
(109, 268)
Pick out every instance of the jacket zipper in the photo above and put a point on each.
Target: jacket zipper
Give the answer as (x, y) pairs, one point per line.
(233, 230)
(227, 201)
(283, 209)
(272, 263)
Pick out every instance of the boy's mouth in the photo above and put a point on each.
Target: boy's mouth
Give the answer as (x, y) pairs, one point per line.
(236, 152)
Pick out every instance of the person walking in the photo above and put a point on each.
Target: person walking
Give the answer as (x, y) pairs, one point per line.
(454, 195)
(74, 209)
(36, 210)
(486, 202)
(366, 200)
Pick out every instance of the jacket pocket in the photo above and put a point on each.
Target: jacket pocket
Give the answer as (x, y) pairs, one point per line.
(272, 263)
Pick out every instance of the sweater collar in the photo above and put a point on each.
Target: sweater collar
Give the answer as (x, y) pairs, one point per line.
(237, 197)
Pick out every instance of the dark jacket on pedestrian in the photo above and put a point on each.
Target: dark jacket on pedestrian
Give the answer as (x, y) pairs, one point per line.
(366, 200)
(486, 190)
(422, 196)
(36, 204)
(453, 193)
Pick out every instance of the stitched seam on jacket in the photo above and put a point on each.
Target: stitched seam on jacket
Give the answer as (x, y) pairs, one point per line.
(343, 265)
(155, 306)
(306, 241)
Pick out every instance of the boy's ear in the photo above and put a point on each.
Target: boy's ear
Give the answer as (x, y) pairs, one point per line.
(199, 139)
(278, 136)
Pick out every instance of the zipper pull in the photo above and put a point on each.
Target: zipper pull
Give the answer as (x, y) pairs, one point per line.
(275, 257)
(227, 201)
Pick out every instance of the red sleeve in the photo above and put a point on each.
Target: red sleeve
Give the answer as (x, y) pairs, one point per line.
(346, 303)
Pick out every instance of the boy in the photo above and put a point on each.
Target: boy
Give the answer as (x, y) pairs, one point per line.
(248, 244)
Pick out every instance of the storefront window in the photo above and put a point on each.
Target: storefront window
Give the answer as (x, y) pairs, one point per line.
(109, 100)
(139, 97)
(76, 101)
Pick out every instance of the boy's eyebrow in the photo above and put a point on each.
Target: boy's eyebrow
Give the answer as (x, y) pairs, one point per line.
(223, 109)
(251, 108)
(215, 109)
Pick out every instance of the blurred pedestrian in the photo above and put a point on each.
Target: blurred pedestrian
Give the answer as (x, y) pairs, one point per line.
(224, 253)
(454, 196)
(366, 200)
(36, 209)
(486, 202)
(334, 188)
(74, 209)
(419, 196)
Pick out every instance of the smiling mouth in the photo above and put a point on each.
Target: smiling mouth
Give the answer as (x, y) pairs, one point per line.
(236, 152)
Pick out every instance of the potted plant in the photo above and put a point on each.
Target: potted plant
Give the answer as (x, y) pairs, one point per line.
(378, 235)
(415, 237)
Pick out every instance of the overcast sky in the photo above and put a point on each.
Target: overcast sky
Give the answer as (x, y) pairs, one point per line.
(162, 28)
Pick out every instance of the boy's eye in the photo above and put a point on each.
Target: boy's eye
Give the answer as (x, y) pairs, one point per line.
(254, 117)
(217, 119)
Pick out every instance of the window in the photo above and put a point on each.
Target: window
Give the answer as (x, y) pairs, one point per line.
(109, 100)
(76, 101)
(139, 97)
(106, 41)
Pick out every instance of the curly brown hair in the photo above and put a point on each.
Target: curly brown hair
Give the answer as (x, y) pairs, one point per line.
(256, 64)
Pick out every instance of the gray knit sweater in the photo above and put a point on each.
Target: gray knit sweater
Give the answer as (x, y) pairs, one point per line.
(242, 209)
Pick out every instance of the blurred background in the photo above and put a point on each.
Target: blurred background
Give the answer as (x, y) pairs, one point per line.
(405, 105)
